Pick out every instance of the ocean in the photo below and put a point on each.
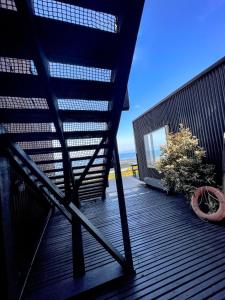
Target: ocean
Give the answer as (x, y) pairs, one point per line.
(127, 155)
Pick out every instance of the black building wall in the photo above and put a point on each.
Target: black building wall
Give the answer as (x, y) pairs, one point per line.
(199, 105)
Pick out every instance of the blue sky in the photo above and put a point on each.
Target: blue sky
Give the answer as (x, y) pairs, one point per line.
(177, 40)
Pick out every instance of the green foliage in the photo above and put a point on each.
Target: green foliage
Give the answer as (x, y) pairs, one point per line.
(182, 163)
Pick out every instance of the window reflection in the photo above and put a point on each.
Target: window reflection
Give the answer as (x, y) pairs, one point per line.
(153, 141)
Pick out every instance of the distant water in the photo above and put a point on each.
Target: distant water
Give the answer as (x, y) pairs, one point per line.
(127, 155)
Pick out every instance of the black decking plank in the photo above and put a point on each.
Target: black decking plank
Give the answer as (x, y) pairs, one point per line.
(169, 250)
(198, 287)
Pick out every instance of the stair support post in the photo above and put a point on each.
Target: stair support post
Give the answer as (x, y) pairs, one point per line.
(123, 212)
(77, 241)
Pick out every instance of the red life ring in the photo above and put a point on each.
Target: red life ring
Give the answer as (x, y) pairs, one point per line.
(219, 214)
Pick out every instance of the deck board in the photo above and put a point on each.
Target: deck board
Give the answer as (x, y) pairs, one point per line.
(176, 255)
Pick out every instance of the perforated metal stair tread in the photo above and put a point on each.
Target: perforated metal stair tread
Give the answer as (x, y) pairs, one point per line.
(59, 149)
(61, 91)
(77, 174)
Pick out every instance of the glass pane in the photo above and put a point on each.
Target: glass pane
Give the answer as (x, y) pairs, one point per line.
(148, 149)
(159, 139)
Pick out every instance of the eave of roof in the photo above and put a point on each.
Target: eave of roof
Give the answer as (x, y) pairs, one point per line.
(209, 69)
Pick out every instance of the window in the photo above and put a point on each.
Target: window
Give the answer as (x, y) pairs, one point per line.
(153, 141)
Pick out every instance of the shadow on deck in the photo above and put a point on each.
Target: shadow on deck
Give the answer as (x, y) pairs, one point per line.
(176, 255)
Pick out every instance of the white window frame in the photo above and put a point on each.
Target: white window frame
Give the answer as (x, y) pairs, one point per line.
(149, 147)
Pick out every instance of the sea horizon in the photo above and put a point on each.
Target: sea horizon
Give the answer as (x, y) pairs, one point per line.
(127, 155)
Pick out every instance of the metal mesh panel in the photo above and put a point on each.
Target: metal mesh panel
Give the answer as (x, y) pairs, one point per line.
(91, 176)
(84, 126)
(83, 153)
(8, 4)
(46, 156)
(29, 127)
(50, 167)
(86, 161)
(93, 180)
(17, 65)
(57, 173)
(79, 72)
(76, 15)
(80, 104)
(100, 169)
(39, 144)
(83, 142)
(23, 103)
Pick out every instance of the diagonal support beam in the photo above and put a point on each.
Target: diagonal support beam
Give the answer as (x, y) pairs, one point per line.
(97, 234)
(79, 181)
(57, 198)
(25, 8)
(122, 208)
(128, 35)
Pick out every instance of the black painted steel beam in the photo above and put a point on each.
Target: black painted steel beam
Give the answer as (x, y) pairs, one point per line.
(26, 10)
(128, 32)
(122, 208)
(13, 85)
(116, 7)
(44, 136)
(45, 116)
(60, 47)
(90, 163)
(58, 199)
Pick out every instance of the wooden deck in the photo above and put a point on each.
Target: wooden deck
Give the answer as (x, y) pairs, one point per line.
(176, 255)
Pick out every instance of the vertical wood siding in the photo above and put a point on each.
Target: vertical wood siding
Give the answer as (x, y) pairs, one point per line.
(199, 105)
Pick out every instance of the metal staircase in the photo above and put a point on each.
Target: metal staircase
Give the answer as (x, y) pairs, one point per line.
(64, 68)
(63, 72)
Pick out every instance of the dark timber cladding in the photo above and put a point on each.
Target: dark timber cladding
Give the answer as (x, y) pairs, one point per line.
(199, 105)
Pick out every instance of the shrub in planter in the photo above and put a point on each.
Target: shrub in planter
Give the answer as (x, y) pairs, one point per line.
(182, 163)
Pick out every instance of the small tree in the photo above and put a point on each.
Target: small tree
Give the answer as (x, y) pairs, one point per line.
(182, 163)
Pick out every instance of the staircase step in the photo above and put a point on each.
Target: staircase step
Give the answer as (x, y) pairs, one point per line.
(90, 197)
(85, 193)
(74, 168)
(91, 184)
(59, 149)
(115, 7)
(62, 180)
(13, 85)
(45, 116)
(43, 136)
(60, 47)
(78, 174)
(85, 185)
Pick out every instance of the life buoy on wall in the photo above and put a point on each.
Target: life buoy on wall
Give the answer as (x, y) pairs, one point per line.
(219, 214)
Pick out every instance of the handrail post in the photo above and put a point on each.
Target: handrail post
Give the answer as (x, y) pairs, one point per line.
(77, 244)
(123, 212)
